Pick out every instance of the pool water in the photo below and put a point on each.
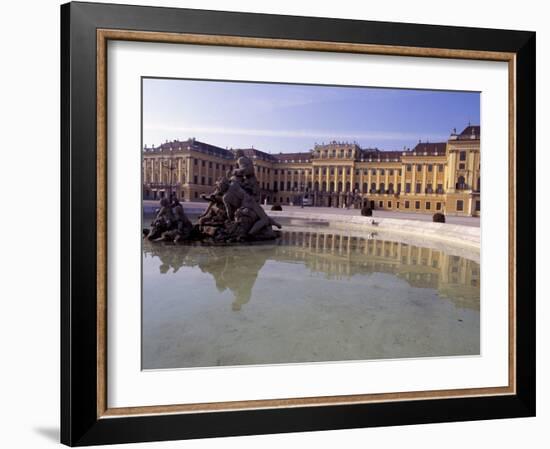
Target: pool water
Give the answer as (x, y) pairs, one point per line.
(315, 295)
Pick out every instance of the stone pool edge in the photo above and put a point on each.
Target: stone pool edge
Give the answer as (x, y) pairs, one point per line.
(450, 233)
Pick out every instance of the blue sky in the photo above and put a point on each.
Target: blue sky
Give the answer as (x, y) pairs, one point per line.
(288, 118)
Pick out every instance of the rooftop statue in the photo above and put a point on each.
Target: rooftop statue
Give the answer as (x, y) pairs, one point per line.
(233, 215)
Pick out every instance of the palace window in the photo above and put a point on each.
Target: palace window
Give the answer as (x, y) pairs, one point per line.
(195, 161)
(463, 155)
(439, 188)
(408, 187)
(217, 166)
(430, 167)
(461, 166)
(419, 167)
(381, 204)
(417, 204)
(418, 187)
(373, 187)
(382, 172)
(202, 180)
(408, 167)
(331, 186)
(195, 179)
(461, 184)
(210, 181)
(196, 194)
(437, 206)
(406, 204)
(390, 187)
(288, 185)
(373, 171)
(209, 164)
(391, 172)
(281, 185)
(459, 205)
(478, 205)
(440, 167)
(389, 204)
(429, 188)
(428, 205)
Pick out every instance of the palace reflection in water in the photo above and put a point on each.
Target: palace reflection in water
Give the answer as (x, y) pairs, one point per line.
(313, 296)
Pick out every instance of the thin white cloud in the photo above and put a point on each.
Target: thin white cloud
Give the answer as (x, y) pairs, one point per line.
(304, 133)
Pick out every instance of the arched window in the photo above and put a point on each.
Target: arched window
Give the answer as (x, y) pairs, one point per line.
(390, 187)
(460, 185)
(347, 186)
(339, 186)
(316, 187)
(324, 188)
(382, 187)
(332, 186)
(372, 187)
(365, 187)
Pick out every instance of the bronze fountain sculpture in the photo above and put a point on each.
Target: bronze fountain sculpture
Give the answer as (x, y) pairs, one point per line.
(233, 215)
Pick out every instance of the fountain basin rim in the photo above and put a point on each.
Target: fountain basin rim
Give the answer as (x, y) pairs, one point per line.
(460, 235)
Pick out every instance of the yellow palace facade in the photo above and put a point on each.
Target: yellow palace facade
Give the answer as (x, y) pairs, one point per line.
(431, 177)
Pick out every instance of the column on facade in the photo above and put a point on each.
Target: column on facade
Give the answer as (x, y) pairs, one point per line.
(188, 171)
(424, 175)
(471, 164)
(413, 179)
(403, 173)
(451, 172)
(369, 177)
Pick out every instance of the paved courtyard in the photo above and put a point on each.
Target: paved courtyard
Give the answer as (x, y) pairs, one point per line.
(150, 205)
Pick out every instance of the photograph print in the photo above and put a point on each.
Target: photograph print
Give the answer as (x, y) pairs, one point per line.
(295, 223)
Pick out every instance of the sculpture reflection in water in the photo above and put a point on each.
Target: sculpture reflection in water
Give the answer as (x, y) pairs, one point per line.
(333, 255)
(233, 215)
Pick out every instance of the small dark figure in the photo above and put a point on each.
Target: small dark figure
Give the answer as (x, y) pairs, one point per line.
(276, 207)
(374, 223)
(439, 218)
(366, 211)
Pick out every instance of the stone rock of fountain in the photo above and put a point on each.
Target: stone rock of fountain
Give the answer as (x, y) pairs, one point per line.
(233, 215)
